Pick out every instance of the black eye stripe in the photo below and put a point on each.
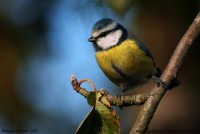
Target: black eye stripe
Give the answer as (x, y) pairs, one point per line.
(107, 32)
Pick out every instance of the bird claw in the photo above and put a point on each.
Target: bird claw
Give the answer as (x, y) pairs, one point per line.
(119, 95)
(159, 82)
(174, 82)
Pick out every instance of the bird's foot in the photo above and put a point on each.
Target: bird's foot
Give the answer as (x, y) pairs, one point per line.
(174, 82)
(119, 95)
(159, 82)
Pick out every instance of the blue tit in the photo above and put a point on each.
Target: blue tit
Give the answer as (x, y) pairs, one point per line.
(121, 56)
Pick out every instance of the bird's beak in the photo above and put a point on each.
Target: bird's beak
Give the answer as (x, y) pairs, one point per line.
(91, 39)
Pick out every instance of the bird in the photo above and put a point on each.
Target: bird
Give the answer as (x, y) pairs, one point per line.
(123, 58)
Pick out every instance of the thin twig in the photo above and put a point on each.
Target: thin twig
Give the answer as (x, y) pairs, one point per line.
(126, 101)
(119, 100)
(92, 85)
(146, 113)
(77, 88)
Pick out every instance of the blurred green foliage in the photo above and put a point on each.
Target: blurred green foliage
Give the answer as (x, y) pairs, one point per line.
(120, 6)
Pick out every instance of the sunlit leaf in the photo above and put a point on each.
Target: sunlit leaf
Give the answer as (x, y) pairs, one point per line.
(103, 99)
(101, 119)
(110, 120)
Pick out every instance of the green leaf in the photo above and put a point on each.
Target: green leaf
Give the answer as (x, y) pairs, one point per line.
(109, 118)
(102, 119)
(91, 99)
(91, 124)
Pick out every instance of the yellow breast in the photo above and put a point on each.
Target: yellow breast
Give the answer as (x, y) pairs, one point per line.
(128, 58)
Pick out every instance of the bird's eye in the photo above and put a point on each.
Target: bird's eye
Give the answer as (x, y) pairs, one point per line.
(103, 34)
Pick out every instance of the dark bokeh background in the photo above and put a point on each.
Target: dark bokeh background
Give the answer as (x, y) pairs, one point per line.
(43, 42)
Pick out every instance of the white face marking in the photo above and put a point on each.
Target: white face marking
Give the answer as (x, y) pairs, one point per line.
(108, 28)
(109, 40)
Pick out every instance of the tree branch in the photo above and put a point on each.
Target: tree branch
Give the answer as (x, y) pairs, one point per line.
(145, 115)
(119, 100)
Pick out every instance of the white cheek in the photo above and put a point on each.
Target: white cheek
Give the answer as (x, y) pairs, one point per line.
(109, 40)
